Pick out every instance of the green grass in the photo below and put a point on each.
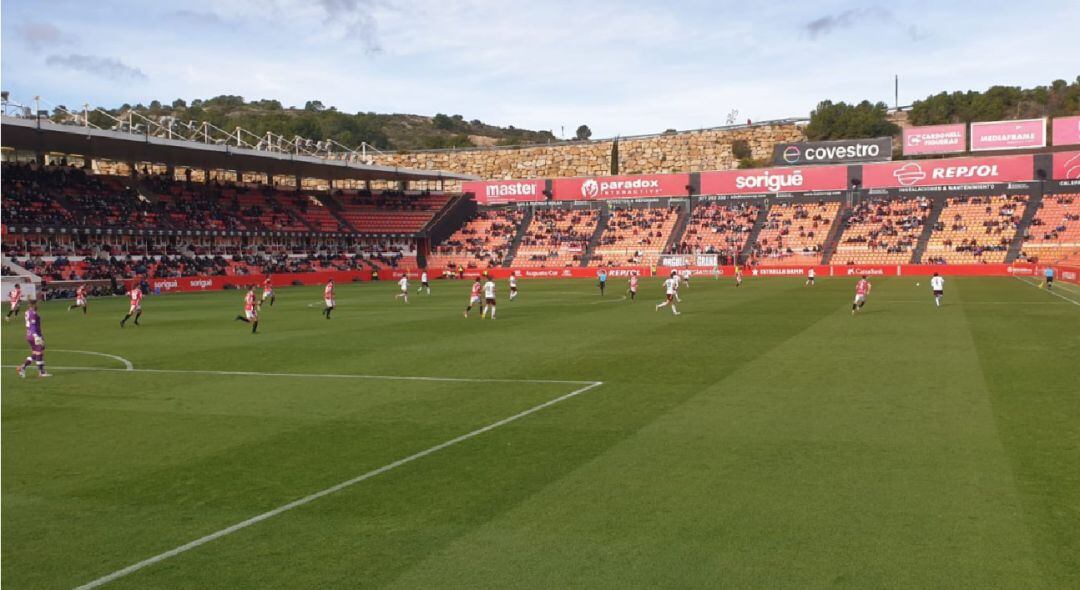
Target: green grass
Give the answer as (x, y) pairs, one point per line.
(765, 438)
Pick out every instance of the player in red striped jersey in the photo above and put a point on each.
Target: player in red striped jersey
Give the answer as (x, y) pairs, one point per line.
(136, 296)
(633, 285)
(80, 299)
(474, 296)
(268, 291)
(251, 310)
(862, 289)
(328, 298)
(15, 297)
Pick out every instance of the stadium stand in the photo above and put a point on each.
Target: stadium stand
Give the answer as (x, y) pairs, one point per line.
(557, 237)
(1054, 233)
(482, 242)
(717, 228)
(794, 233)
(882, 231)
(975, 229)
(634, 236)
(390, 211)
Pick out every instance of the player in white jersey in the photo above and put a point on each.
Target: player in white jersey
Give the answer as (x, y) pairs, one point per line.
(489, 299)
(671, 289)
(810, 274)
(423, 284)
(678, 283)
(403, 282)
(686, 274)
(937, 285)
(513, 287)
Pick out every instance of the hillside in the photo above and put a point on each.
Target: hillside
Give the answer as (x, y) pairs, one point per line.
(317, 121)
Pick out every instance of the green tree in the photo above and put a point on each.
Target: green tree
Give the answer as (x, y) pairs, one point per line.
(843, 121)
(583, 133)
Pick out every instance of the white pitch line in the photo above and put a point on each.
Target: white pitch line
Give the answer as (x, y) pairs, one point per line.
(1050, 291)
(127, 364)
(623, 298)
(319, 375)
(326, 492)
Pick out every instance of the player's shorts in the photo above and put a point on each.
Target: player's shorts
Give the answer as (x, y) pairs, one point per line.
(134, 308)
(1048, 281)
(670, 296)
(329, 301)
(35, 348)
(811, 279)
(424, 284)
(513, 289)
(633, 289)
(14, 305)
(860, 298)
(80, 302)
(489, 301)
(938, 292)
(268, 293)
(251, 314)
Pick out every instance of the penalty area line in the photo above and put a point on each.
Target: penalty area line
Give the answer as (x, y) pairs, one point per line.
(328, 491)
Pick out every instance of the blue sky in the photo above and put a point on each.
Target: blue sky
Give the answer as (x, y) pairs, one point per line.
(622, 67)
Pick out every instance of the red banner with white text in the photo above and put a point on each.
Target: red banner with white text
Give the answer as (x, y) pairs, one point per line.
(1067, 130)
(774, 180)
(620, 187)
(1067, 166)
(217, 283)
(501, 192)
(935, 139)
(945, 172)
(1008, 135)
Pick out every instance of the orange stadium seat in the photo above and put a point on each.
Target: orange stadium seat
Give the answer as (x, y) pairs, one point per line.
(482, 242)
(794, 233)
(975, 230)
(556, 237)
(635, 236)
(1054, 234)
(882, 231)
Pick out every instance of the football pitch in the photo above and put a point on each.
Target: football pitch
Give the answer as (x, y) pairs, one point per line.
(765, 438)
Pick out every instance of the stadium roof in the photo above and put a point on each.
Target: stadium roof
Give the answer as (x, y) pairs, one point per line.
(46, 136)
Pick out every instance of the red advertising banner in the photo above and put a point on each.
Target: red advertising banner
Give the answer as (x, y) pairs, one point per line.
(500, 192)
(1067, 130)
(1008, 135)
(1067, 166)
(620, 187)
(774, 180)
(951, 171)
(935, 139)
(217, 283)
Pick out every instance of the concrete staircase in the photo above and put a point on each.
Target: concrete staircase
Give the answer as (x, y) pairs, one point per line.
(293, 214)
(601, 225)
(679, 229)
(520, 235)
(938, 204)
(1033, 205)
(335, 210)
(835, 232)
(748, 248)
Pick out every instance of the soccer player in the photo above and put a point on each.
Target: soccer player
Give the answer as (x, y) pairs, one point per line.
(513, 287)
(937, 284)
(403, 282)
(36, 341)
(268, 291)
(15, 298)
(474, 296)
(810, 274)
(423, 284)
(251, 310)
(489, 299)
(633, 285)
(1048, 278)
(136, 296)
(601, 275)
(80, 299)
(675, 276)
(862, 289)
(328, 298)
(671, 288)
(738, 276)
(686, 274)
